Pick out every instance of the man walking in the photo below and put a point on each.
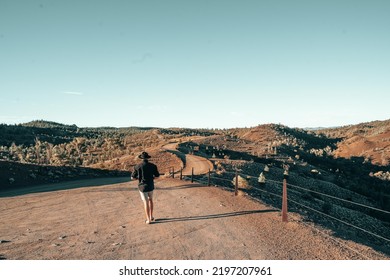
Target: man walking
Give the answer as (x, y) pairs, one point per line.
(145, 172)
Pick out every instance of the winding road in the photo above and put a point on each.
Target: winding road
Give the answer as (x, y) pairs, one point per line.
(200, 165)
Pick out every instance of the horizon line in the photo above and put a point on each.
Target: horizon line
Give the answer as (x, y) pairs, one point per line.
(203, 128)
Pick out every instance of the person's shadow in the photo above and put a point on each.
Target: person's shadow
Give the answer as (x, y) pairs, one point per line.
(211, 216)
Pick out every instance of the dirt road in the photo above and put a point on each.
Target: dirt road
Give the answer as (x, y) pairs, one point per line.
(199, 165)
(192, 222)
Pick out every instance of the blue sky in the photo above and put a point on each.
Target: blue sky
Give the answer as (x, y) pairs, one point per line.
(199, 64)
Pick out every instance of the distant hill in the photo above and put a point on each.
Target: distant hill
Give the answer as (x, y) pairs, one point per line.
(369, 140)
(312, 154)
(51, 143)
(56, 133)
(46, 143)
(47, 124)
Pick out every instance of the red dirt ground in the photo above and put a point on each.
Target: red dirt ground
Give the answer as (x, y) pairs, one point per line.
(105, 220)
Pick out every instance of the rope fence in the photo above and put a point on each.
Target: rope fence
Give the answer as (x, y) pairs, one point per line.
(207, 179)
(327, 195)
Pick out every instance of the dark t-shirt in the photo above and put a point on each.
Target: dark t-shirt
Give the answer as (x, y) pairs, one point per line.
(147, 171)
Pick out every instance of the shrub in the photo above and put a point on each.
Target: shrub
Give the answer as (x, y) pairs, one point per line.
(327, 207)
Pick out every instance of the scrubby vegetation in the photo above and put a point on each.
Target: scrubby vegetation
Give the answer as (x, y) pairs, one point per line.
(52, 144)
(55, 144)
(300, 148)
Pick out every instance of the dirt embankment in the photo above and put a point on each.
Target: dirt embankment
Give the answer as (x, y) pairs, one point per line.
(15, 175)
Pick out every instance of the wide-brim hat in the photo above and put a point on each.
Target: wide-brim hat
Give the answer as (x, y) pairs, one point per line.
(144, 155)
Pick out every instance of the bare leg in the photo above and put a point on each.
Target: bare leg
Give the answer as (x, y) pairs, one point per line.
(147, 210)
(151, 209)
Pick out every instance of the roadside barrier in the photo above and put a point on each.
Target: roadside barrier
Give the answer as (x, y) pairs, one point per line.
(213, 180)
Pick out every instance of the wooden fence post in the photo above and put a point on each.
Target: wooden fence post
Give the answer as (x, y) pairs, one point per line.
(236, 185)
(173, 172)
(284, 201)
(192, 175)
(209, 178)
(181, 173)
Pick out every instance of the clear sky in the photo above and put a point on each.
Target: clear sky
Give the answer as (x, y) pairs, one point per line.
(198, 64)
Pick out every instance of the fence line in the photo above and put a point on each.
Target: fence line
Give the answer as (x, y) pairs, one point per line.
(341, 199)
(320, 193)
(222, 179)
(329, 216)
(327, 235)
(341, 221)
(207, 180)
(339, 242)
(317, 230)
